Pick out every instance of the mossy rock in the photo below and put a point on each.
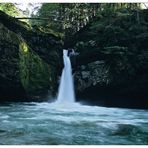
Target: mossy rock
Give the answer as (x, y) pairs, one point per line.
(35, 74)
(30, 60)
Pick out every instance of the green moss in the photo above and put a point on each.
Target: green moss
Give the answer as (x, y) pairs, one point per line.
(10, 9)
(24, 64)
(24, 47)
(35, 74)
(20, 59)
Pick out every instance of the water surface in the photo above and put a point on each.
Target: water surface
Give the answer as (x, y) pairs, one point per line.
(50, 123)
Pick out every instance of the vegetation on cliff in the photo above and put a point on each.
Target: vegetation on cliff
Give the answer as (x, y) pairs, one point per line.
(108, 37)
(120, 40)
(10, 9)
(26, 71)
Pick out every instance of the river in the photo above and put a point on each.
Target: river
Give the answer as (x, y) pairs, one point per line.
(51, 123)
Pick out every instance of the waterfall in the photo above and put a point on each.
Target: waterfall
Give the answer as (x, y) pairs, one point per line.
(66, 89)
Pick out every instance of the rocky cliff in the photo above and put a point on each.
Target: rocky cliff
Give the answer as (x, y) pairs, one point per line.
(29, 61)
(112, 66)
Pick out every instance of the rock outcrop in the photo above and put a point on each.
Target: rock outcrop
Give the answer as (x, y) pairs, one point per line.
(29, 61)
(90, 75)
(112, 66)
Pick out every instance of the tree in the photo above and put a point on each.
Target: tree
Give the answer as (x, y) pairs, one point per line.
(69, 18)
(10, 9)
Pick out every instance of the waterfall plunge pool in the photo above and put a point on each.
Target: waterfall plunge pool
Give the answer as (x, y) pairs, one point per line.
(54, 123)
(67, 122)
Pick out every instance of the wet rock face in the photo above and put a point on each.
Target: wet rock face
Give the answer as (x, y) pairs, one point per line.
(10, 86)
(44, 44)
(94, 85)
(121, 79)
(90, 75)
(28, 67)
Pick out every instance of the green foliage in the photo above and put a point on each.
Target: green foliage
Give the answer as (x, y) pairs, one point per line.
(69, 18)
(10, 9)
(49, 11)
(117, 62)
(122, 40)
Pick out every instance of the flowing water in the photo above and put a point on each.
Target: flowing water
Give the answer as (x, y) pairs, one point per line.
(66, 122)
(66, 88)
(51, 123)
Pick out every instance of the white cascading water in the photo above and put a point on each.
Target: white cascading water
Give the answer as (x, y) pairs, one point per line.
(66, 89)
